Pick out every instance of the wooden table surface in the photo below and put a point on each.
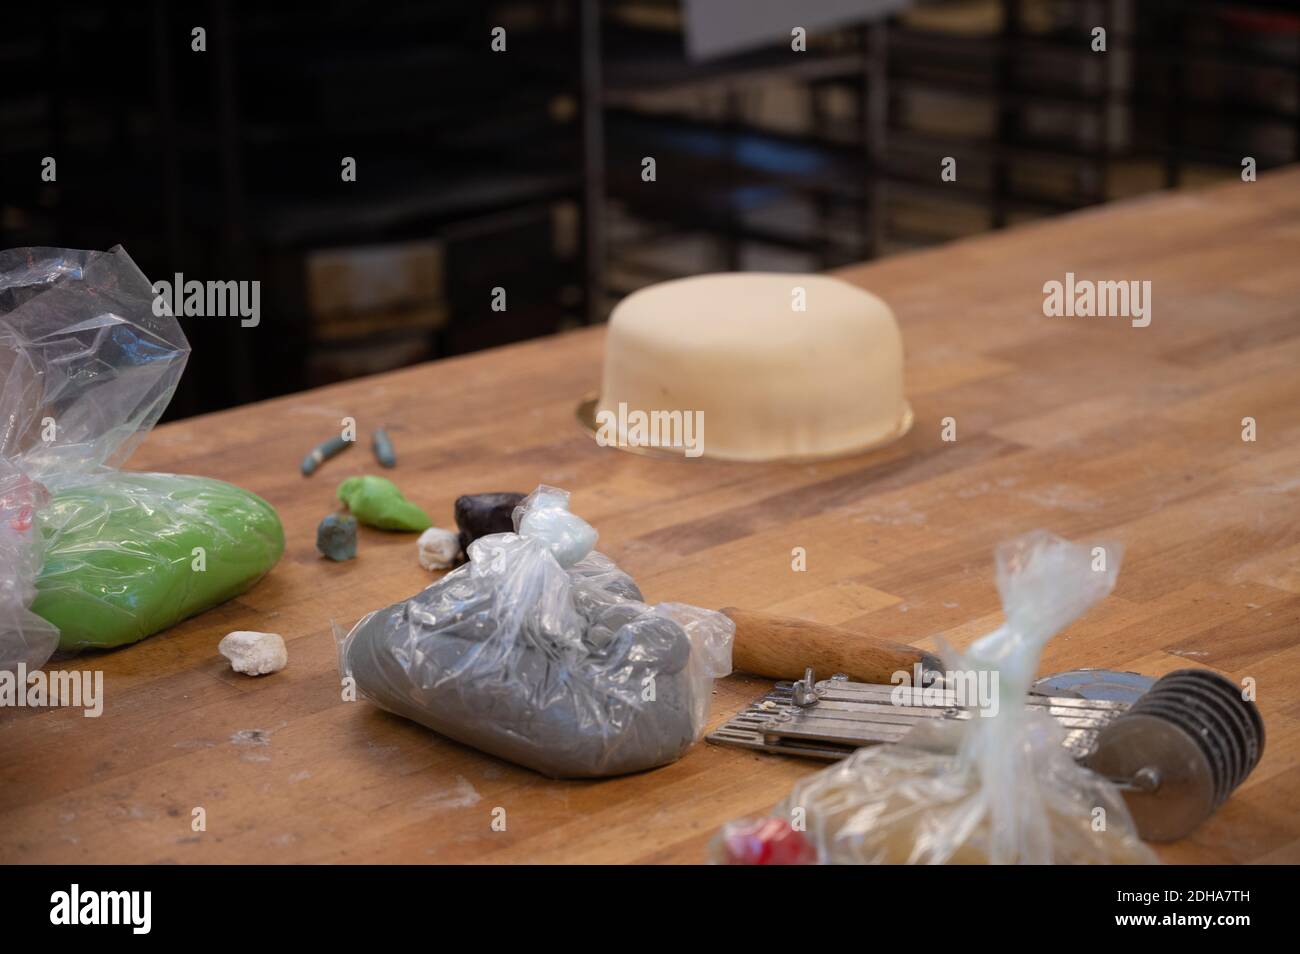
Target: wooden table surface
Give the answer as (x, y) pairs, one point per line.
(1085, 426)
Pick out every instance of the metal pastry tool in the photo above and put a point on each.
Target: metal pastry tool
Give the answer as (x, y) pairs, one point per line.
(1094, 684)
(1176, 752)
(831, 718)
(1180, 751)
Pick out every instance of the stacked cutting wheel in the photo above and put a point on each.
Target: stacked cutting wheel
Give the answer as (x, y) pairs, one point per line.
(1181, 750)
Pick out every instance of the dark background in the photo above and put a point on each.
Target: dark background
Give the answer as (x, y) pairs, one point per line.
(522, 169)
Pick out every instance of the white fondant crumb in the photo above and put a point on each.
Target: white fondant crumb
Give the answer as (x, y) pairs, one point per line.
(438, 548)
(255, 654)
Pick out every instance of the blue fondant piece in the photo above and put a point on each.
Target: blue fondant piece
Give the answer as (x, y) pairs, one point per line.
(336, 537)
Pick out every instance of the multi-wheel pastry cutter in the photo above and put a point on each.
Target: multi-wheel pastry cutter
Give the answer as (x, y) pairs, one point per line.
(1176, 747)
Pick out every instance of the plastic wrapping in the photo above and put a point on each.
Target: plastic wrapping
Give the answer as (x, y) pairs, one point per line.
(120, 554)
(25, 638)
(80, 346)
(541, 651)
(998, 789)
(86, 369)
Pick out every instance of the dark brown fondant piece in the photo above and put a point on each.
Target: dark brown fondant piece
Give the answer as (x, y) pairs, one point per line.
(477, 515)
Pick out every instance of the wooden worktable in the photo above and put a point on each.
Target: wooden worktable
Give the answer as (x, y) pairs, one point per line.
(1086, 426)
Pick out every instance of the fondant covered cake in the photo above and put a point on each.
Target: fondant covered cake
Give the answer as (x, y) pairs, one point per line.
(774, 365)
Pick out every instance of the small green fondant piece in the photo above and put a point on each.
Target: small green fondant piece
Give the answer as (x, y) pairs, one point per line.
(377, 502)
(128, 555)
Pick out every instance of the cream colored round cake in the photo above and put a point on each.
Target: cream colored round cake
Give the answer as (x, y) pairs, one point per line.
(770, 379)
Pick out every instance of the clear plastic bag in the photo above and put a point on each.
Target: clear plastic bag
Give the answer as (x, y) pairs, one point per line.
(1000, 789)
(540, 650)
(86, 368)
(25, 638)
(80, 345)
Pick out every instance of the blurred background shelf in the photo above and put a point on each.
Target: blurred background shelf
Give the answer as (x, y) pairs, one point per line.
(523, 170)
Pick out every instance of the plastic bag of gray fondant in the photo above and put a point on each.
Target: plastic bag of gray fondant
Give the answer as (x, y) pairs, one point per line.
(539, 650)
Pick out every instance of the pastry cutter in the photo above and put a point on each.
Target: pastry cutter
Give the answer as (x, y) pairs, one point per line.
(1176, 747)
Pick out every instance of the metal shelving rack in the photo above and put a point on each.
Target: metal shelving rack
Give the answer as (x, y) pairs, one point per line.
(214, 164)
(1136, 107)
(225, 164)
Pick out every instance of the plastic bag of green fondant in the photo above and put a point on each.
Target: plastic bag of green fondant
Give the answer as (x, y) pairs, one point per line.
(86, 369)
(131, 554)
(25, 638)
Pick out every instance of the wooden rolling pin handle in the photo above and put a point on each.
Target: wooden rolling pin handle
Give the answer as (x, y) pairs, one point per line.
(782, 647)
